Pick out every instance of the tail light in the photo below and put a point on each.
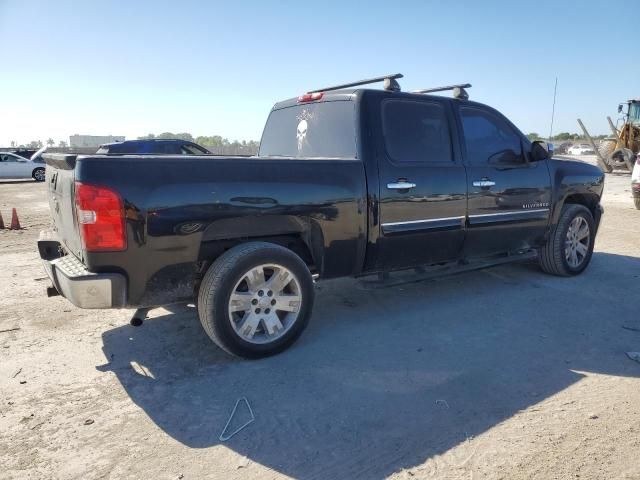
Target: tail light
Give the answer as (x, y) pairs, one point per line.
(100, 213)
(310, 97)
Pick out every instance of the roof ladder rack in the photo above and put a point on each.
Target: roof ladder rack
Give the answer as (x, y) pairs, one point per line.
(389, 83)
(458, 90)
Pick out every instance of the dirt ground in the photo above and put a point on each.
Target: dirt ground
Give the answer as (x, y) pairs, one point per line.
(505, 373)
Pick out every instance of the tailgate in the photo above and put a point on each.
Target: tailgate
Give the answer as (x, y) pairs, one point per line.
(60, 184)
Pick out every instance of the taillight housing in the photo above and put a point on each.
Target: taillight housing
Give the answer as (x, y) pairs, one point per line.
(310, 97)
(100, 214)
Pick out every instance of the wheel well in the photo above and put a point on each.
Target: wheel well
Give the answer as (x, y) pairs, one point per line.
(588, 200)
(210, 251)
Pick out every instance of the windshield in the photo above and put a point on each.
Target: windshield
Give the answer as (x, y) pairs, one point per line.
(325, 129)
(634, 113)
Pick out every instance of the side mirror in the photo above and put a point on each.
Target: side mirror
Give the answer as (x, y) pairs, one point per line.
(620, 108)
(540, 151)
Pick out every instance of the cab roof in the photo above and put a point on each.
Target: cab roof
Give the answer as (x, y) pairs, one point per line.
(354, 93)
(345, 91)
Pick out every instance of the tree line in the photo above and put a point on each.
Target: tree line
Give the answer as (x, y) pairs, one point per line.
(206, 141)
(215, 143)
(564, 136)
(219, 144)
(39, 144)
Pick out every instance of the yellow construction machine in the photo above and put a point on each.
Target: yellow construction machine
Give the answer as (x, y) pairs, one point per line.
(619, 151)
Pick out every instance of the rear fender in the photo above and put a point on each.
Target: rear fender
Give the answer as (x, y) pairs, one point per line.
(228, 231)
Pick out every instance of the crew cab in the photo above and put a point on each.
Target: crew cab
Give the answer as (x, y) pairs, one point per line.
(348, 181)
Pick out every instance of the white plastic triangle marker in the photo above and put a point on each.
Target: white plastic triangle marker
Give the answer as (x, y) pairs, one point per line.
(224, 437)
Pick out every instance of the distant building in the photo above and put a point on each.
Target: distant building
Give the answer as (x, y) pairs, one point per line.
(79, 141)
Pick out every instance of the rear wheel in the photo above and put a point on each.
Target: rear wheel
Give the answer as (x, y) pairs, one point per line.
(636, 200)
(38, 174)
(256, 299)
(570, 245)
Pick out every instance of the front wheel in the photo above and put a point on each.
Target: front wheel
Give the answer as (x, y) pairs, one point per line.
(256, 299)
(38, 174)
(569, 248)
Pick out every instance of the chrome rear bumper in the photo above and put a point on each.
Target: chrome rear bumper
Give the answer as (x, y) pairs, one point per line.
(81, 287)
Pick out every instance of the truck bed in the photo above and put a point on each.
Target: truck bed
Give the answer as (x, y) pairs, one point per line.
(178, 209)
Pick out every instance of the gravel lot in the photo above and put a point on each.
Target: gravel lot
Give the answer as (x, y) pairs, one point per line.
(503, 373)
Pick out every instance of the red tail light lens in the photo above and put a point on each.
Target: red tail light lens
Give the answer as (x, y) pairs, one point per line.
(100, 214)
(310, 97)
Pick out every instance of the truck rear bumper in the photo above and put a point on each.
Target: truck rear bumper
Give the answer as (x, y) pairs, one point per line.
(74, 282)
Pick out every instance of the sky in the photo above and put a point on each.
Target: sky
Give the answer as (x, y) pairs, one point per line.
(216, 68)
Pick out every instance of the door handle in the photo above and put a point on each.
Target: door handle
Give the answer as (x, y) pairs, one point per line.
(484, 183)
(400, 185)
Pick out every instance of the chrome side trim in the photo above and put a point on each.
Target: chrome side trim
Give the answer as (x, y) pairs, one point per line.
(514, 212)
(431, 224)
(430, 220)
(448, 223)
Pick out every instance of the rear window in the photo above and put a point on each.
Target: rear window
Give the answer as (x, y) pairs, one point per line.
(325, 129)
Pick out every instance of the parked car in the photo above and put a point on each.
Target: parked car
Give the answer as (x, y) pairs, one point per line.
(347, 182)
(562, 147)
(635, 183)
(15, 166)
(581, 149)
(153, 147)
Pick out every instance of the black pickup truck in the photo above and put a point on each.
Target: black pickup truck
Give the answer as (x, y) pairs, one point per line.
(347, 182)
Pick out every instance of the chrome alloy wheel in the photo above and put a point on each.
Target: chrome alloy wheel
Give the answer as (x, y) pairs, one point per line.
(38, 175)
(576, 245)
(265, 303)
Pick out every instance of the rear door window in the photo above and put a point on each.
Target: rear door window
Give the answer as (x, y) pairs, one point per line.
(416, 131)
(325, 130)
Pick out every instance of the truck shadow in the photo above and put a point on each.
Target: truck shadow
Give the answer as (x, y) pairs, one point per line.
(387, 378)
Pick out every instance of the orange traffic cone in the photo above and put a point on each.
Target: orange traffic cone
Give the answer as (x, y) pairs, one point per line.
(1, 222)
(15, 223)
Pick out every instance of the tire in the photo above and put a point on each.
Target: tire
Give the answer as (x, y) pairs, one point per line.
(553, 257)
(606, 148)
(636, 201)
(244, 332)
(622, 158)
(38, 174)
